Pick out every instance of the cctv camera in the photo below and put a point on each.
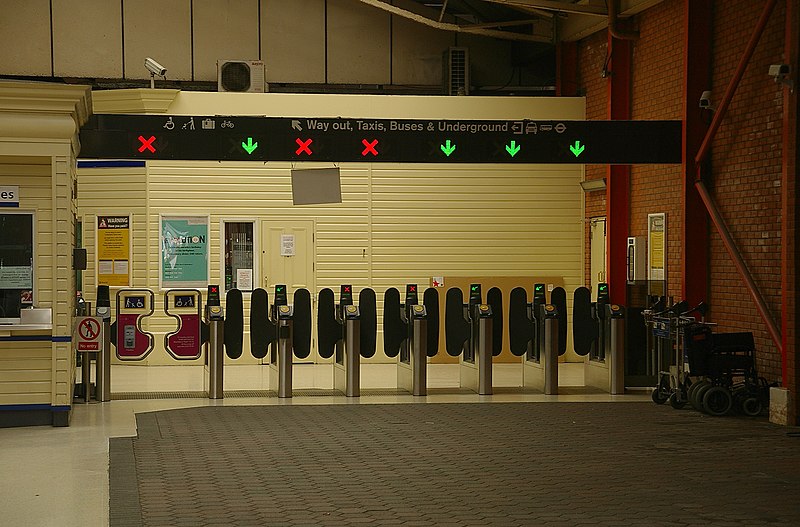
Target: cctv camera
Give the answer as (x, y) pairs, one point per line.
(705, 99)
(154, 67)
(778, 70)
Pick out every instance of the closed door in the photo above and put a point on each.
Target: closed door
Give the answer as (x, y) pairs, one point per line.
(287, 255)
(597, 248)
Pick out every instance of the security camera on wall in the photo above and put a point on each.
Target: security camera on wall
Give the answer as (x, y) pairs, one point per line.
(705, 100)
(155, 69)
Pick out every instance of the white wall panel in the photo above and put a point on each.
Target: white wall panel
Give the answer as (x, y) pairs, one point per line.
(293, 40)
(167, 37)
(87, 38)
(358, 43)
(25, 37)
(223, 29)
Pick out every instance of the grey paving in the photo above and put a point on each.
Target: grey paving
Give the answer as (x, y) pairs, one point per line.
(515, 464)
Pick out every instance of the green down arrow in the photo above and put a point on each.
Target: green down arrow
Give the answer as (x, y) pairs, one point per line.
(513, 148)
(249, 146)
(577, 148)
(448, 149)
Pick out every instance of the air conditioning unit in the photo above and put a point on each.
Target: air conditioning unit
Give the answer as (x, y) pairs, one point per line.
(241, 76)
(456, 71)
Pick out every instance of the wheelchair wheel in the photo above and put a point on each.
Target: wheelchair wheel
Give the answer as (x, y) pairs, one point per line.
(752, 406)
(675, 403)
(699, 394)
(693, 390)
(658, 396)
(717, 401)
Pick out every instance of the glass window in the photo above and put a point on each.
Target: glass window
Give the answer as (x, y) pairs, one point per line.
(16, 264)
(238, 239)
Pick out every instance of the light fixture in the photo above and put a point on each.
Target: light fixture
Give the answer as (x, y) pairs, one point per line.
(590, 185)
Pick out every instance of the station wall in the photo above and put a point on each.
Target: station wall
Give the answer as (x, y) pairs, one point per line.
(746, 161)
(300, 41)
(397, 223)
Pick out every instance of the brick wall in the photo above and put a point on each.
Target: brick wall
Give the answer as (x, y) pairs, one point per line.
(591, 58)
(746, 157)
(657, 94)
(746, 174)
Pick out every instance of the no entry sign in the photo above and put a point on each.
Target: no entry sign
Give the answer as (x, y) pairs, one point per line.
(88, 333)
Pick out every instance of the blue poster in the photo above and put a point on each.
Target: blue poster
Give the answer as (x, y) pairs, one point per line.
(184, 251)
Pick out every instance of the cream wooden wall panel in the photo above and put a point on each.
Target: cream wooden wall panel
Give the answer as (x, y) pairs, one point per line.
(165, 34)
(293, 40)
(417, 52)
(359, 43)
(25, 37)
(25, 373)
(87, 38)
(223, 29)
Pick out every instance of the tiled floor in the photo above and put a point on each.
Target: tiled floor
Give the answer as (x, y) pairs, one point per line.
(59, 476)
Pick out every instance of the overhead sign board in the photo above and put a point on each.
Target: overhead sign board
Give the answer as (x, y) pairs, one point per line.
(9, 196)
(240, 138)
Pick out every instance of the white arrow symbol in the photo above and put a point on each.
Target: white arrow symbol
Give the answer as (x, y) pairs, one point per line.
(296, 125)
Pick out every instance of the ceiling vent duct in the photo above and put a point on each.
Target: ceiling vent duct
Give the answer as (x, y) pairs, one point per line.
(241, 76)
(456, 71)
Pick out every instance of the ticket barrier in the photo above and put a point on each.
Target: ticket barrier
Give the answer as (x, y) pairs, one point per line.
(598, 334)
(470, 335)
(411, 333)
(346, 332)
(131, 342)
(534, 333)
(285, 329)
(98, 328)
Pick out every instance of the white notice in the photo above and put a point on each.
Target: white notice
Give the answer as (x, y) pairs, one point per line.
(287, 244)
(244, 279)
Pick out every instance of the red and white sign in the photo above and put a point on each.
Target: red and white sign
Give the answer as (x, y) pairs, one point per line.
(88, 333)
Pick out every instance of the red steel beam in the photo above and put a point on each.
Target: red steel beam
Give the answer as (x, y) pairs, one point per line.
(698, 19)
(734, 82)
(738, 262)
(566, 69)
(618, 176)
(789, 217)
(713, 212)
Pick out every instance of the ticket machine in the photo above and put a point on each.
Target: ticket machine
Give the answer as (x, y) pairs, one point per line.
(598, 333)
(411, 333)
(470, 334)
(132, 343)
(346, 332)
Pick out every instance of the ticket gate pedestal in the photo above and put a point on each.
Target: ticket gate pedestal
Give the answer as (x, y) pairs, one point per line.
(215, 357)
(540, 368)
(103, 312)
(280, 363)
(608, 373)
(412, 365)
(475, 364)
(347, 363)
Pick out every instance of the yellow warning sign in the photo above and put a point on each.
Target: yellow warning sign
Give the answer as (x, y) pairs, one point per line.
(113, 250)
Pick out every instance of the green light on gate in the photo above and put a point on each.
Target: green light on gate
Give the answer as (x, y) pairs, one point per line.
(474, 287)
(539, 287)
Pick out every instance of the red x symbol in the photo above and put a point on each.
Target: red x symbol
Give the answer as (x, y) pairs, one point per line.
(147, 144)
(412, 288)
(370, 147)
(347, 289)
(303, 146)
